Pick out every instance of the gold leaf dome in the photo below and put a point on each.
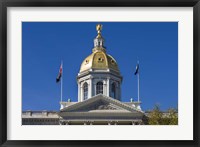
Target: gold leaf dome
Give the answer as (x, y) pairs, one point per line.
(99, 60)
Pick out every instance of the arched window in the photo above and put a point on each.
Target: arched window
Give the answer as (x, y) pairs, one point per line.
(113, 90)
(85, 91)
(99, 88)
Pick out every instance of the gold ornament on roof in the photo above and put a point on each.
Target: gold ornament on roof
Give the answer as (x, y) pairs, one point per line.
(99, 28)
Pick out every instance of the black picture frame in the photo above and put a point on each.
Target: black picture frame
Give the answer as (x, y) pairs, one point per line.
(97, 3)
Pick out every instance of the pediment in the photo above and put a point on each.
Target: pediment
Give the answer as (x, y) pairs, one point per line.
(100, 103)
(106, 107)
(97, 105)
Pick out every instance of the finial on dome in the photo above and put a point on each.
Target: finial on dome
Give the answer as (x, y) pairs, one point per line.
(99, 41)
(99, 28)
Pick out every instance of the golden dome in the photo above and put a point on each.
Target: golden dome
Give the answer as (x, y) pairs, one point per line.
(99, 60)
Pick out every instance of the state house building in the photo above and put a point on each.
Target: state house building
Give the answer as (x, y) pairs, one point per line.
(99, 96)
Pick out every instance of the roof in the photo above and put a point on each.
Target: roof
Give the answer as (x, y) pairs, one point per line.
(99, 60)
(101, 103)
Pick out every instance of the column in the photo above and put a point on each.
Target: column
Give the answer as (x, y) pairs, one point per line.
(104, 87)
(85, 122)
(94, 85)
(90, 88)
(108, 87)
(109, 122)
(79, 92)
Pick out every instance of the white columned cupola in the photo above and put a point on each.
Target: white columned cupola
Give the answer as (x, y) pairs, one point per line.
(99, 73)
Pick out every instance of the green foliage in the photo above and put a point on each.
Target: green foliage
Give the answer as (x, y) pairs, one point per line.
(156, 117)
(173, 116)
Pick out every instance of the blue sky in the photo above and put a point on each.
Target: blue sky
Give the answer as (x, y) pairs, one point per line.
(154, 44)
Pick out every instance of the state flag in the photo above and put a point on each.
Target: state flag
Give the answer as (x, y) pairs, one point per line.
(59, 74)
(137, 69)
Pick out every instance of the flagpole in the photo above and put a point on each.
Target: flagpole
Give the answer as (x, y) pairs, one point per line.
(139, 87)
(138, 84)
(61, 82)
